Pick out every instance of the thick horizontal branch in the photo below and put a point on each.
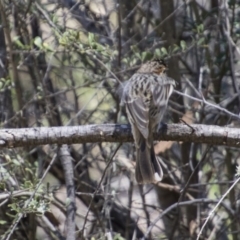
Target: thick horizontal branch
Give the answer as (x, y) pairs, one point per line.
(21, 137)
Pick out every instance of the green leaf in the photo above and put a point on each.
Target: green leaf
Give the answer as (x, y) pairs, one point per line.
(125, 60)
(100, 47)
(90, 38)
(55, 19)
(118, 237)
(47, 47)
(164, 51)
(200, 28)
(146, 56)
(135, 49)
(18, 42)
(28, 170)
(137, 54)
(62, 41)
(183, 45)
(2, 170)
(201, 41)
(38, 42)
(16, 162)
(13, 207)
(157, 52)
(175, 48)
(68, 201)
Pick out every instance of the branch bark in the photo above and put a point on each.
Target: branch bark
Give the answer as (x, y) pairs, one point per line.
(208, 134)
(66, 161)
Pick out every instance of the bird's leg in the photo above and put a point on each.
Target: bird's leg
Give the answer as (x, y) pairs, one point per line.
(162, 127)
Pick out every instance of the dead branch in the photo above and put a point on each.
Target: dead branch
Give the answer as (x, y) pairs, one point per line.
(208, 134)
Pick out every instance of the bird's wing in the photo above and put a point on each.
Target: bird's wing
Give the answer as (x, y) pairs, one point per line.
(138, 111)
(139, 114)
(163, 91)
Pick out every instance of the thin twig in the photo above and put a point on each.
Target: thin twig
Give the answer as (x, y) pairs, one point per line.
(99, 185)
(66, 161)
(20, 215)
(185, 203)
(231, 44)
(193, 130)
(209, 104)
(217, 205)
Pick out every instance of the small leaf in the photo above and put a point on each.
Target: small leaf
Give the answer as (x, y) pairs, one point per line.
(175, 48)
(134, 49)
(144, 54)
(13, 207)
(62, 41)
(125, 60)
(68, 201)
(183, 45)
(100, 47)
(118, 237)
(137, 54)
(200, 28)
(114, 53)
(16, 162)
(18, 42)
(47, 47)
(55, 19)
(2, 170)
(201, 41)
(90, 38)
(164, 51)
(38, 42)
(158, 52)
(28, 170)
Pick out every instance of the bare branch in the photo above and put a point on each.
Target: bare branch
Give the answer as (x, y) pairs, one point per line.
(66, 161)
(209, 134)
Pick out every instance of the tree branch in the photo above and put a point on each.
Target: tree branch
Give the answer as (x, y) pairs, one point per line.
(66, 161)
(209, 134)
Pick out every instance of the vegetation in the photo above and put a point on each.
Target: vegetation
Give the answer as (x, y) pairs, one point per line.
(62, 63)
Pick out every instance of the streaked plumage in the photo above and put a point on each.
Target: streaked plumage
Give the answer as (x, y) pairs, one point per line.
(146, 96)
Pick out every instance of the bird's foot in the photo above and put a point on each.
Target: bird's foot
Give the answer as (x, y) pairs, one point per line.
(162, 127)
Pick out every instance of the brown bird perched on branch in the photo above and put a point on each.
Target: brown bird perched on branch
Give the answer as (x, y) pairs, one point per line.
(146, 97)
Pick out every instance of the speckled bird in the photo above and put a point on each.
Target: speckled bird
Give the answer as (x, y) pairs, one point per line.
(146, 96)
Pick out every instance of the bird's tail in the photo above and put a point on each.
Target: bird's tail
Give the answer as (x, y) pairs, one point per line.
(148, 168)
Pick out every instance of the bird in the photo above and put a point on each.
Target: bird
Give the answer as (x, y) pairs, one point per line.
(146, 96)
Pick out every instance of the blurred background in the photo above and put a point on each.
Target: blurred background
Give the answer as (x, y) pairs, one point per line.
(63, 62)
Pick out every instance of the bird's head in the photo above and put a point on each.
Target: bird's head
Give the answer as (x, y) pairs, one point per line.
(157, 66)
